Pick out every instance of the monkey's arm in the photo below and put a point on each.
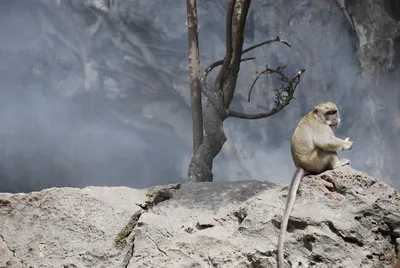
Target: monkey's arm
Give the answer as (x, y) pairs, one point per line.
(329, 143)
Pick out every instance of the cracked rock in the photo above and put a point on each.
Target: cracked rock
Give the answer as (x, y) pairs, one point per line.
(341, 218)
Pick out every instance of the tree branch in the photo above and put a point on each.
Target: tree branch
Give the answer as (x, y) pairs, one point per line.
(239, 22)
(215, 64)
(213, 96)
(276, 40)
(194, 75)
(204, 88)
(228, 43)
(283, 95)
(255, 80)
(292, 83)
(238, 50)
(219, 62)
(232, 113)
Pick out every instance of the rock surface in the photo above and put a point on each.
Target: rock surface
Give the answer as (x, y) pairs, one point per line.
(342, 218)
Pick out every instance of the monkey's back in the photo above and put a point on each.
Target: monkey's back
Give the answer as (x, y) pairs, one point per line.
(305, 154)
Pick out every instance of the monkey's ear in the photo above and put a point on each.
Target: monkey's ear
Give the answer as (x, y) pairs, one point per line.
(315, 111)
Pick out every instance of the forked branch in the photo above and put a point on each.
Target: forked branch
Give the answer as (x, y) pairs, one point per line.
(283, 95)
(212, 96)
(204, 88)
(291, 83)
(206, 91)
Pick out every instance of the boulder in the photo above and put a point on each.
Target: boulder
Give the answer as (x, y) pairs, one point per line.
(341, 218)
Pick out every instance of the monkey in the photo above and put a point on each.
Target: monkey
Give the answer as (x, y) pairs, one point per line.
(397, 265)
(313, 149)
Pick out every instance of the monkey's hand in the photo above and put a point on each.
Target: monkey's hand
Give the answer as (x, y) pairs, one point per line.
(347, 145)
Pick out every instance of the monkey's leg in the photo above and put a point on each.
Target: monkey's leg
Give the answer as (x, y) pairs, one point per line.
(336, 163)
(343, 162)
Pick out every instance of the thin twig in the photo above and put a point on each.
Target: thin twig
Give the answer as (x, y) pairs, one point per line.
(276, 40)
(267, 70)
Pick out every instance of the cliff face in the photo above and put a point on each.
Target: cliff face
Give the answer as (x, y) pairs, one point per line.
(377, 26)
(89, 87)
(341, 218)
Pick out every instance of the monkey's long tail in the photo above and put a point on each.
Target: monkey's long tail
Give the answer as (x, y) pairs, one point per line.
(291, 198)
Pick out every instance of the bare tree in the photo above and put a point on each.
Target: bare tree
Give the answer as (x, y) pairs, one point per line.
(219, 99)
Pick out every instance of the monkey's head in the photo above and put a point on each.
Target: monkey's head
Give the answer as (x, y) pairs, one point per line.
(327, 113)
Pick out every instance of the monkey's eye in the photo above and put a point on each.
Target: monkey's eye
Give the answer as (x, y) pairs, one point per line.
(332, 112)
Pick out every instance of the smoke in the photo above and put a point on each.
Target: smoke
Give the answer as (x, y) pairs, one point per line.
(55, 133)
(325, 45)
(82, 109)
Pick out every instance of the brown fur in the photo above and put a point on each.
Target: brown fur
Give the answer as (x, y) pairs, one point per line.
(397, 265)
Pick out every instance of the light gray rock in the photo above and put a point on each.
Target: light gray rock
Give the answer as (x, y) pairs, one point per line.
(63, 227)
(341, 218)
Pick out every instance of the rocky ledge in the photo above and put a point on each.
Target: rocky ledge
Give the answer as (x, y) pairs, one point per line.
(342, 218)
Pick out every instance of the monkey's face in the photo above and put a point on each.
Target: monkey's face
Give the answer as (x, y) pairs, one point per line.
(332, 118)
(328, 113)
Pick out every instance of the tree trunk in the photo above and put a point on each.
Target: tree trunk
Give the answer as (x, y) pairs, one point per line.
(219, 100)
(200, 168)
(194, 74)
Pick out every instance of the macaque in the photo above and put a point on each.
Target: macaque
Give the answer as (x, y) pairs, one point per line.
(313, 149)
